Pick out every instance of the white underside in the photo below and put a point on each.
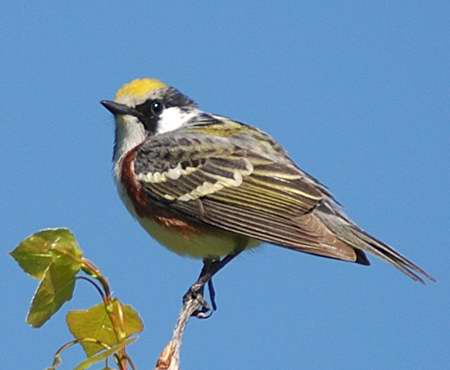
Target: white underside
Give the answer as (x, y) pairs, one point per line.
(212, 244)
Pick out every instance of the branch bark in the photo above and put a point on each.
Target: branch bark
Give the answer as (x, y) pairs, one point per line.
(169, 359)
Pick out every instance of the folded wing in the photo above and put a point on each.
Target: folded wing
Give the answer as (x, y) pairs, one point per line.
(231, 181)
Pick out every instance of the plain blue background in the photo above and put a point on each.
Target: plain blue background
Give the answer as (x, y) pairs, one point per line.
(357, 91)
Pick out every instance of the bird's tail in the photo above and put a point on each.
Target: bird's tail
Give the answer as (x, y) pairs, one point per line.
(360, 240)
(372, 245)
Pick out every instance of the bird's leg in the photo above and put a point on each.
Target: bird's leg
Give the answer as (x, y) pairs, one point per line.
(197, 289)
(212, 294)
(210, 268)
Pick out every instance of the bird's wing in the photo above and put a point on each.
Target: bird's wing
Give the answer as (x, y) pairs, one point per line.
(237, 178)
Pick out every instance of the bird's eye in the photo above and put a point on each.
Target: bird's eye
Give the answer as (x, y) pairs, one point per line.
(156, 107)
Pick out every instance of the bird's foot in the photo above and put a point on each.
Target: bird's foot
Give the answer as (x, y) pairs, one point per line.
(195, 292)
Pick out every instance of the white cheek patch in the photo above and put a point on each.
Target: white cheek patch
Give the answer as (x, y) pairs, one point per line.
(173, 118)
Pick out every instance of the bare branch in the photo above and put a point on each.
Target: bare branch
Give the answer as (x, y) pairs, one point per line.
(169, 359)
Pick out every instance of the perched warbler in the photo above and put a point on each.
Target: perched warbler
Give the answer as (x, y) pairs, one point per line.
(209, 187)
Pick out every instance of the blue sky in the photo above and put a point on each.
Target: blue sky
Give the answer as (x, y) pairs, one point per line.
(358, 93)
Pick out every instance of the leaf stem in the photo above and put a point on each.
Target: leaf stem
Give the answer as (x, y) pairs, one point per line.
(99, 290)
(115, 315)
(89, 268)
(57, 357)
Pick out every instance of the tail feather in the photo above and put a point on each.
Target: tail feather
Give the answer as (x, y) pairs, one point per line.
(348, 232)
(382, 250)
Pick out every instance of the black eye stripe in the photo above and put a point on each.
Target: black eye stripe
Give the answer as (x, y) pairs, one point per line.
(150, 108)
(149, 112)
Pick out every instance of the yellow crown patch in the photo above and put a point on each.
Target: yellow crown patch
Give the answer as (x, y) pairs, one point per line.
(139, 87)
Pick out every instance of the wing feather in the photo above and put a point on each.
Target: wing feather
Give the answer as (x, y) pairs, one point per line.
(239, 179)
(258, 194)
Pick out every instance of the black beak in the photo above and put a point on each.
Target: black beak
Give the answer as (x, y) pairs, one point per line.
(116, 108)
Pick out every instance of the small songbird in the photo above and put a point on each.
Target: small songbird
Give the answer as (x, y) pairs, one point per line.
(209, 187)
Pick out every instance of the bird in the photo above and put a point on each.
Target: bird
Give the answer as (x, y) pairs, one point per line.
(209, 187)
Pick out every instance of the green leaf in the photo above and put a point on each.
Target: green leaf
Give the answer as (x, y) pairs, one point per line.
(54, 257)
(54, 290)
(95, 323)
(38, 251)
(91, 360)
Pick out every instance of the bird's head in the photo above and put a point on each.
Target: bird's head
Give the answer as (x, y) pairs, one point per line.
(147, 107)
